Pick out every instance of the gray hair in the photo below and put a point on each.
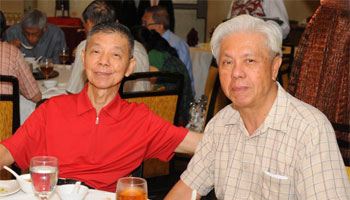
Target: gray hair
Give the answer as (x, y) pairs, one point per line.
(33, 19)
(269, 29)
(113, 27)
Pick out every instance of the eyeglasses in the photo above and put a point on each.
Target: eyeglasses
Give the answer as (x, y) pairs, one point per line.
(145, 24)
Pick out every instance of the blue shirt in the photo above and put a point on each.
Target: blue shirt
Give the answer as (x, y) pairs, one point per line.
(49, 44)
(182, 50)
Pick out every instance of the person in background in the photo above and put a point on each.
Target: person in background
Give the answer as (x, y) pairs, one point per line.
(163, 57)
(157, 18)
(12, 63)
(167, 4)
(35, 37)
(262, 8)
(96, 135)
(98, 12)
(266, 144)
(2, 24)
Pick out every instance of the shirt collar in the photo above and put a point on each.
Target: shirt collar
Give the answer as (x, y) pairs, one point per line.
(166, 34)
(112, 109)
(276, 117)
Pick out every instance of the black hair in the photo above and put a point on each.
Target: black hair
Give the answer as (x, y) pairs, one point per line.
(113, 27)
(99, 11)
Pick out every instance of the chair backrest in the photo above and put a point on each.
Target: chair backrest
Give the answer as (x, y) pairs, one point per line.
(287, 60)
(164, 103)
(216, 97)
(9, 113)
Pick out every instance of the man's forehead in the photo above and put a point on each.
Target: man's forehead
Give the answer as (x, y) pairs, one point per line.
(31, 30)
(119, 39)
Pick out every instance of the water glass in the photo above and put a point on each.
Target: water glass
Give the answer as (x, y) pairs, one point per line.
(44, 175)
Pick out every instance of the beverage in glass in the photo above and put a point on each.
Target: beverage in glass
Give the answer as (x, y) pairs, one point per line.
(132, 188)
(46, 67)
(44, 175)
(64, 55)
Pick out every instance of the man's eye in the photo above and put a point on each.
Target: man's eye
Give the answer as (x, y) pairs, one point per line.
(250, 60)
(227, 62)
(116, 55)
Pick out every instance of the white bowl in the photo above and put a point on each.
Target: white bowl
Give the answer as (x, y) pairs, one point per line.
(26, 183)
(50, 83)
(65, 192)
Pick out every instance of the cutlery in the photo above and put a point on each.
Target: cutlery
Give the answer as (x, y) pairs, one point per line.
(26, 47)
(12, 172)
(76, 187)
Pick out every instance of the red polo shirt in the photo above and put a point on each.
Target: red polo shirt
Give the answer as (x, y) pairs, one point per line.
(95, 150)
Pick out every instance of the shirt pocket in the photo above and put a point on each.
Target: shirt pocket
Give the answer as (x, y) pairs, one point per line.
(276, 186)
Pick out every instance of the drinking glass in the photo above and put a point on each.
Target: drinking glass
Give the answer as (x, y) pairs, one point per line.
(46, 67)
(44, 175)
(131, 188)
(64, 55)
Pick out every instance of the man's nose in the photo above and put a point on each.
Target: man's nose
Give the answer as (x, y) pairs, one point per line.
(237, 71)
(104, 59)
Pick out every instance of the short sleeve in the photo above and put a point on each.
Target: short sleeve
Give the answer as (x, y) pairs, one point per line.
(199, 174)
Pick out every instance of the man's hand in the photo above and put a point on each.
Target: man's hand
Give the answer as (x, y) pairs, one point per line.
(17, 43)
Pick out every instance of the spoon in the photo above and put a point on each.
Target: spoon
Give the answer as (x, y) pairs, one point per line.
(37, 60)
(76, 187)
(26, 47)
(12, 172)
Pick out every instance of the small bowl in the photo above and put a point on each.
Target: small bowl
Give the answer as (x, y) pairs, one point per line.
(26, 183)
(50, 83)
(65, 192)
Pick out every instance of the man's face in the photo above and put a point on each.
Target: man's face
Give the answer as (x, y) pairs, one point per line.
(107, 60)
(33, 35)
(248, 70)
(147, 21)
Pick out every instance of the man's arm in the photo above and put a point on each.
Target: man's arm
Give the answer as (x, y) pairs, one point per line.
(180, 191)
(5, 157)
(189, 144)
(37, 97)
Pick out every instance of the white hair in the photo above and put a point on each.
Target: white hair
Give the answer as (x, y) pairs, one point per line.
(241, 23)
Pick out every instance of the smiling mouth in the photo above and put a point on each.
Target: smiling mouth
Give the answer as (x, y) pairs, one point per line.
(103, 73)
(239, 89)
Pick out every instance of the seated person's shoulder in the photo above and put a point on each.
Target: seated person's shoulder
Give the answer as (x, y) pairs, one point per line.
(54, 29)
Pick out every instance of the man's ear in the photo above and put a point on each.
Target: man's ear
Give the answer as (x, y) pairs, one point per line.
(276, 64)
(83, 57)
(131, 67)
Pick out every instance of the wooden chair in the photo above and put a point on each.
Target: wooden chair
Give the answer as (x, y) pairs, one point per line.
(287, 60)
(216, 97)
(9, 114)
(165, 104)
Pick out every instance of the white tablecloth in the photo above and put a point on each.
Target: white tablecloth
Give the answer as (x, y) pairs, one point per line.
(27, 107)
(201, 58)
(92, 195)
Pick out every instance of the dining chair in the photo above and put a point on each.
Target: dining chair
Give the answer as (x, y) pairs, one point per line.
(216, 97)
(287, 60)
(9, 114)
(164, 103)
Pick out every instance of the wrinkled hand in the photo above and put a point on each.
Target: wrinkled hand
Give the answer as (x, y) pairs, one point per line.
(17, 43)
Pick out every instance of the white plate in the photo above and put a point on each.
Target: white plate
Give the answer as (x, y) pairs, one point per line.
(8, 187)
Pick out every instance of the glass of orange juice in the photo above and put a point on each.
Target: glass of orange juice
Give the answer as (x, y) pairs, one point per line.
(131, 188)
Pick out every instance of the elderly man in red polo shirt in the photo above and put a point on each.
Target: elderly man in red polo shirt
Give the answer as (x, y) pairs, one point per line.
(97, 136)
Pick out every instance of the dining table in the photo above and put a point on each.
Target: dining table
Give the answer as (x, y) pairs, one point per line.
(63, 73)
(91, 195)
(201, 57)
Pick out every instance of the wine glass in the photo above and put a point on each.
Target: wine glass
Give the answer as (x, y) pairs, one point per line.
(64, 55)
(44, 175)
(131, 188)
(46, 67)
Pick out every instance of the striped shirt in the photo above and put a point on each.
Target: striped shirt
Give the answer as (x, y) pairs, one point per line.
(292, 155)
(12, 63)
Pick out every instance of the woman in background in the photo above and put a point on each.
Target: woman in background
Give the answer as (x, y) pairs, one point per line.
(162, 57)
